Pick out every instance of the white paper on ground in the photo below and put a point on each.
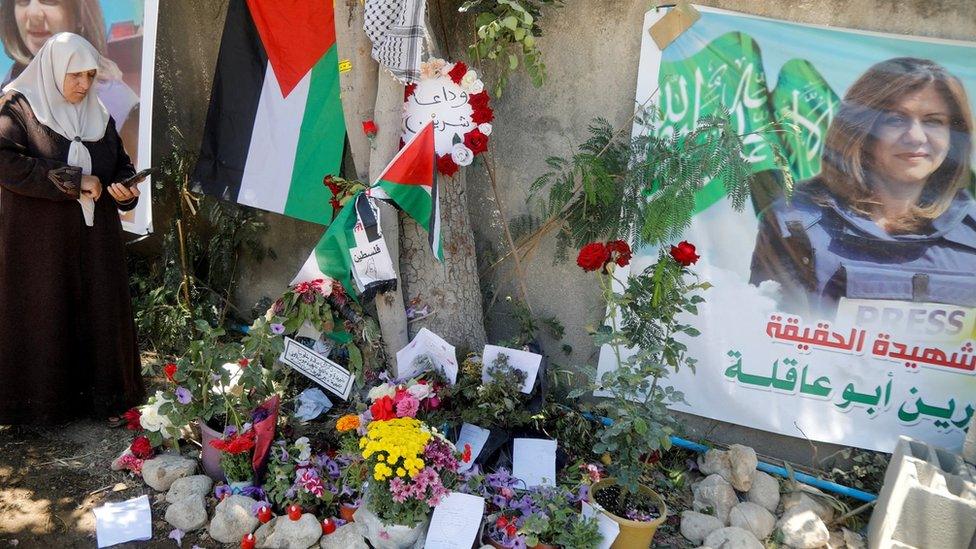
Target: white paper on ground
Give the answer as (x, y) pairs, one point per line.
(534, 461)
(122, 521)
(520, 360)
(455, 522)
(607, 526)
(440, 352)
(476, 437)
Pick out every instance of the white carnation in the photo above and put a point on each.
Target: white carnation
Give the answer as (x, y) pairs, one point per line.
(469, 78)
(485, 128)
(421, 391)
(461, 155)
(475, 87)
(381, 391)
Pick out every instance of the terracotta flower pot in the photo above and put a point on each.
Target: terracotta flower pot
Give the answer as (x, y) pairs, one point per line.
(210, 456)
(633, 534)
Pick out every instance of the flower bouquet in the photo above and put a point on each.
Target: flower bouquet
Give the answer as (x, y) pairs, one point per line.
(298, 475)
(393, 399)
(236, 448)
(498, 402)
(411, 468)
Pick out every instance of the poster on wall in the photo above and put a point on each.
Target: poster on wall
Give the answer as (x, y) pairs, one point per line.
(124, 32)
(845, 314)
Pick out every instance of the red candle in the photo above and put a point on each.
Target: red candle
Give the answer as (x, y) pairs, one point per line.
(294, 512)
(328, 526)
(248, 541)
(264, 514)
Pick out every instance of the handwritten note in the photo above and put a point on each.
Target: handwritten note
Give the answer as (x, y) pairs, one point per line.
(321, 370)
(455, 522)
(608, 528)
(475, 437)
(534, 461)
(520, 360)
(119, 522)
(440, 352)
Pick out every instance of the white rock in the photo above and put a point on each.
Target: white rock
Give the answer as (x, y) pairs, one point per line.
(753, 517)
(803, 529)
(696, 526)
(764, 491)
(715, 492)
(284, 533)
(807, 497)
(196, 485)
(388, 536)
(346, 536)
(188, 514)
(733, 538)
(715, 462)
(743, 461)
(233, 519)
(161, 471)
(852, 539)
(836, 540)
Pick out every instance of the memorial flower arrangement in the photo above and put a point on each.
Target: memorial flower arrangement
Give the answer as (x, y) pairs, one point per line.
(497, 402)
(411, 468)
(391, 399)
(314, 480)
(236, 448)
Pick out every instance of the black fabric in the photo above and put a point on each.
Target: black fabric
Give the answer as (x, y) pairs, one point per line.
(234, 99)
(67, 337)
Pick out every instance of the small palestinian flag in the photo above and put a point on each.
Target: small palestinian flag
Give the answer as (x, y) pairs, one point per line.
(275, 125)
(409, 183)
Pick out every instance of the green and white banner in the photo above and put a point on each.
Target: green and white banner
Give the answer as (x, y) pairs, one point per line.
(846, 313)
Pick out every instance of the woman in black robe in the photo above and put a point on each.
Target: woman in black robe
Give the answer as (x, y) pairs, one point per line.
(67, 336)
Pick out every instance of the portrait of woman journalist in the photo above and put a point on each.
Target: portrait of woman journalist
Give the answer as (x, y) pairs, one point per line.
(889, 217)
(26, 24)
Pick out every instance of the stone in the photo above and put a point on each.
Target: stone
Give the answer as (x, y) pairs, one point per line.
(836, 540)
(162, 471)
(196, 485)
(803, 529)
(188, 514)
(754, 518)
(731, 537)
(715, 462)
(764, 491)
(807, 497)
(716, 493)
(284, 533)
(853, 540)
(388, 536)
(743, 461)
(969, 444)
(696, 526)
(346, 536)
(233, 519)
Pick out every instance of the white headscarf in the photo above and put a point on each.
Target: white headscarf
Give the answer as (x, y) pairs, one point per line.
(41, 83)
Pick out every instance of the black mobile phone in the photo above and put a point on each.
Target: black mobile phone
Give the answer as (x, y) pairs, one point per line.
(137, 178)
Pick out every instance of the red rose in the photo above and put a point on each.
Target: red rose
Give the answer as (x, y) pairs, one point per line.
(408, 90)
(383, 409)
(446, 165)
(141, 448)
(369, 128)
(244, 362)
(593, 256)
(329, 182)
(457, 72)
(620, 252)
(684, 253)
(169, 370)
(482, 115)
(131, 418)
(476, 141)
(466, 455)
(479, 100)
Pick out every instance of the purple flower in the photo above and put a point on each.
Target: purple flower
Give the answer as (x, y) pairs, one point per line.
(259, 415)
(222, 490)
(254, 492)
(230, 431)
(258, 505)
(277, 329)
(183, 395)
(177, 536)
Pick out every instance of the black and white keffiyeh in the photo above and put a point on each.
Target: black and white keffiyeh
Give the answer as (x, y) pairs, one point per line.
(396, 28)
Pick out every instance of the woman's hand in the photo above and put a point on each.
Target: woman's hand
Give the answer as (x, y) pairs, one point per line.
(91, 187)
(123, 194)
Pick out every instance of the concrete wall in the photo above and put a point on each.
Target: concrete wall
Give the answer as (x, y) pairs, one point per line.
(591, 49)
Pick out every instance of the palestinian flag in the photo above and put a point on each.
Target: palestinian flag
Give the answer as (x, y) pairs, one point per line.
(275, 126)
(409, 183)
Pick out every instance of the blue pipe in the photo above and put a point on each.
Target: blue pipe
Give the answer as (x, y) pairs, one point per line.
(770, 468)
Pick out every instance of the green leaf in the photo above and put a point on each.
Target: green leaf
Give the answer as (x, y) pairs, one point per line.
(511, 22)
(512, 61)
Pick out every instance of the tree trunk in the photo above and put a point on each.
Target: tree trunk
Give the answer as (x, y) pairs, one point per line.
(451, 288)
(357, 80)
(389, 306)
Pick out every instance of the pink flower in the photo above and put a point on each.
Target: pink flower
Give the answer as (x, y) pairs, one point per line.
(407, 406)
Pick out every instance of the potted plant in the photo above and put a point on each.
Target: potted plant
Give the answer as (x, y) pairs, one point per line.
(298, 475)
(411, 467)
(543, 517)
(646, 318)
(236, 448)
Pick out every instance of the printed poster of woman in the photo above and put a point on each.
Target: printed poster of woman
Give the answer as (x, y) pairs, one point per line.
(117, 28)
